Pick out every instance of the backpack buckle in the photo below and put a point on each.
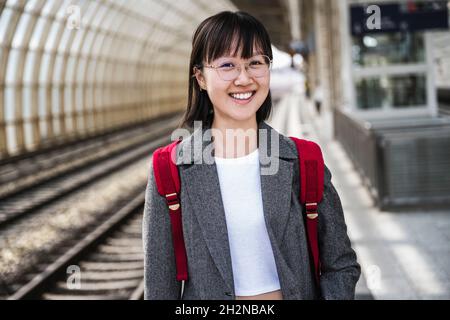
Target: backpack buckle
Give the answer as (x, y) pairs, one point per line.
(311, 210)
(172, 201)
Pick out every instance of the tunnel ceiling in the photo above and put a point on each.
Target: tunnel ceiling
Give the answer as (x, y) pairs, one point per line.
(79, 67)
(274, 15)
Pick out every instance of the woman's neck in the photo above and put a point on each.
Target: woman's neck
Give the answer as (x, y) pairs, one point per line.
(234, 139)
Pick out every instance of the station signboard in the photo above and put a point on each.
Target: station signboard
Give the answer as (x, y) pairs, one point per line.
(409, 16)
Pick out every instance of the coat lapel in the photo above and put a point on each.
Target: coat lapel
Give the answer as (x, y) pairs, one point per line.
(208, 207)
(203, 189)
(276, 195)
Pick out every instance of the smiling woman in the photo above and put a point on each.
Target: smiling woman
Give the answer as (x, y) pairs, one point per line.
(241, 235)
(230, 78)
(225, 43)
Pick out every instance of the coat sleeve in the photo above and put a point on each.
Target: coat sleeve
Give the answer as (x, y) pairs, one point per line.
(340, 270)
(159, 257)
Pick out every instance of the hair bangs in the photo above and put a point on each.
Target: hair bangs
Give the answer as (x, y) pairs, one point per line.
(237, 36)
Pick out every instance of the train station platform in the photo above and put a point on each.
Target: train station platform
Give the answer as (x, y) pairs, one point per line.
(403, 254)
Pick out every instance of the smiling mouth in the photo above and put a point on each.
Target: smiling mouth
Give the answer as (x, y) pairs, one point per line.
(242, 96)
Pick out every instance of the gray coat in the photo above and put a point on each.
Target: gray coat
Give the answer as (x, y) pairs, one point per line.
(206, 238)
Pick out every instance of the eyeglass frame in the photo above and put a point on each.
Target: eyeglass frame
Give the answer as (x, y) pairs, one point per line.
(240, 70)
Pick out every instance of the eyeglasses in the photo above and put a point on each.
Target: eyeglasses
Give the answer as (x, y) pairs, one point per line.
(230, 68)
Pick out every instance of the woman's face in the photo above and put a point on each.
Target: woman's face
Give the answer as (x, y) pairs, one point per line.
(238, 99)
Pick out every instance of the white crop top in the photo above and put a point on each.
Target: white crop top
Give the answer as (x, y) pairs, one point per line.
(254, 268)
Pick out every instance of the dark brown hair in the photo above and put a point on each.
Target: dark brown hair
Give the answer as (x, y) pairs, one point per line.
(215, 37)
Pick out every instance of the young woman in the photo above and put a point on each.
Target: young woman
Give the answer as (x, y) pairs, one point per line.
(243, 229)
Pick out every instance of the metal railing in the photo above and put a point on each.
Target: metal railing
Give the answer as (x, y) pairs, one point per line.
(403, 162)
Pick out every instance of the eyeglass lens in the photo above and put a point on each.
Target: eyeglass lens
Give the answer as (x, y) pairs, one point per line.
(230, 68)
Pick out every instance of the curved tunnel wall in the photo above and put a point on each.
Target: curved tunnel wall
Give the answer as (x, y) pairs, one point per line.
(74, 68)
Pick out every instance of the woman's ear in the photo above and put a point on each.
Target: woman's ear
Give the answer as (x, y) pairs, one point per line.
(200, 78)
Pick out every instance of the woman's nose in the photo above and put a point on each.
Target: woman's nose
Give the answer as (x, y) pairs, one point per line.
(243, 78)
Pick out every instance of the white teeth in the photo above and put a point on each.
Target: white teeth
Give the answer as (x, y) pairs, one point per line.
(242, 96)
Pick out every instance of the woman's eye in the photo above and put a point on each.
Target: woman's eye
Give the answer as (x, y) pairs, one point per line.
(226, 65)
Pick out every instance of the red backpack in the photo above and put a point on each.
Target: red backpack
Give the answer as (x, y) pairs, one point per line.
(311, 191)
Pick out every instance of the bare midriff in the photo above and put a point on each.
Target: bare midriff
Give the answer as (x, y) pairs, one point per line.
(273, 295)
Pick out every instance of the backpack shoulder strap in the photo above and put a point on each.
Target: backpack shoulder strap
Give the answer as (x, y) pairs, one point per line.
(311, 166)
(168, 185)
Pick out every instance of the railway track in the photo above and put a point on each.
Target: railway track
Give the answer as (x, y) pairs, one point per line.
(106, 264)
(15, 168)
(70, 175)
(100, 260)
